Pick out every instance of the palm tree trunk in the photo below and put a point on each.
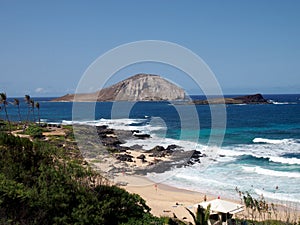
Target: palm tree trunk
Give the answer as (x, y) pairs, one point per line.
(6, 114)
(33, 114)
(20, 119)
(28, 113)
(39, 117)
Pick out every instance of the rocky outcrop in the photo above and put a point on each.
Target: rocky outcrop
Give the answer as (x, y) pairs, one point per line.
(160, 151)
(252, 99)
(141, 87)
(247, 99)
(195, 157)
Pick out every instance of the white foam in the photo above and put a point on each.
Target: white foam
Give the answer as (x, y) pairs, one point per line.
(228, 152)
(221, 177)
(265, 150)
(278, 196)
(118, 124)
(262, 171)
(67, 122)
(278, 103)
(165, 142)
(291, 161)
(269, 141)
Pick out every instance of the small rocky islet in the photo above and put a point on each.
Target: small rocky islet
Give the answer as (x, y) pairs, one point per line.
(150, 87)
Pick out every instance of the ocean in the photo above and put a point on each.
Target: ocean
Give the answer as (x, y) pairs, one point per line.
(260, 152)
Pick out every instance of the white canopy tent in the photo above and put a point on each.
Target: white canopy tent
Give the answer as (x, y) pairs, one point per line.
(222, 208)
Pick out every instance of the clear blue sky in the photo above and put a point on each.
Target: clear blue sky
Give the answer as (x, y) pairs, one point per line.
(251, 46)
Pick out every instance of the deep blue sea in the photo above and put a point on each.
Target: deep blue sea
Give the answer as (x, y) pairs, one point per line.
(260, 152)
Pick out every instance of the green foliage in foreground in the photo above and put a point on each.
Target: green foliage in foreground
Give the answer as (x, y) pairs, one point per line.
(201, 216)
(34, 131)
(40, 185)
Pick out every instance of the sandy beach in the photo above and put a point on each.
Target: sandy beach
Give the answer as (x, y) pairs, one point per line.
(164, 200)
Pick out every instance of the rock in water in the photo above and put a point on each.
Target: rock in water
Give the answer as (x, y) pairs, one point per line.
(141, 87)
(246, 99)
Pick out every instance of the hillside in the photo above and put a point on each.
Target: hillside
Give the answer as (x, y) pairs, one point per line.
(141, 87)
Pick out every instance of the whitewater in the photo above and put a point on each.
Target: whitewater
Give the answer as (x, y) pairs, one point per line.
(260, 152)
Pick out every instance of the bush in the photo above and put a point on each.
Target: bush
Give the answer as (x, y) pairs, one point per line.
(39, 184)
(34, 131)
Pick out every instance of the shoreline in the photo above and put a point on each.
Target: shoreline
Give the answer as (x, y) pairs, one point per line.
(163, 199)
(170, 201)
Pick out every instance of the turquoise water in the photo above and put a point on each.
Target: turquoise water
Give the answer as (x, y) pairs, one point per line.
(260, 150)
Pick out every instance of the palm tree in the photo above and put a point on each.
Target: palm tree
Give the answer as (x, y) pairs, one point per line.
(27, 100)
(201, 217)
(32, 107)
(250, 202)
(37, 105)
(17, 103)
(3, 100)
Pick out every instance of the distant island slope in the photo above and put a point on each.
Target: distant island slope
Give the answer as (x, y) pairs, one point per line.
(149, 87)
(141, 87)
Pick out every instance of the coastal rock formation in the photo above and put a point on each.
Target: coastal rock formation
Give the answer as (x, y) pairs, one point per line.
(141, 87)
(247, 99)
(195, 157)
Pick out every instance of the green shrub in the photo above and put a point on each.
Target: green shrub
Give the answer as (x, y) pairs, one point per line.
(34, 131)
(39, 184)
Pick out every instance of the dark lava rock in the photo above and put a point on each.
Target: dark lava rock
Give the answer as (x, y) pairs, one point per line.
(142, 156)
(246, 99)
(172, 147)
(135, 131)
(102, 127)
(111, 141)
(195, 157)
(103, 130)
(160, 151)
(252, 99)
(157, 149)
(124, 157)
(141, 135)
(196, 154)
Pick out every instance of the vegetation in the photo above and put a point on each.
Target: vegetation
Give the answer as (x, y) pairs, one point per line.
(37, 105)
(32, 108)
(4, 102)
(17, 103)
(27, 100)
(39, 184)
(201, 216)
(34, 131)
(48, 182)
(263, 213)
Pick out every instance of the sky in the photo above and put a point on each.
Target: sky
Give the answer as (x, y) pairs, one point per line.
(251, 46)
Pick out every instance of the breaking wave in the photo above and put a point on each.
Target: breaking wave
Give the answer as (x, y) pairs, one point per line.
(267, 172)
